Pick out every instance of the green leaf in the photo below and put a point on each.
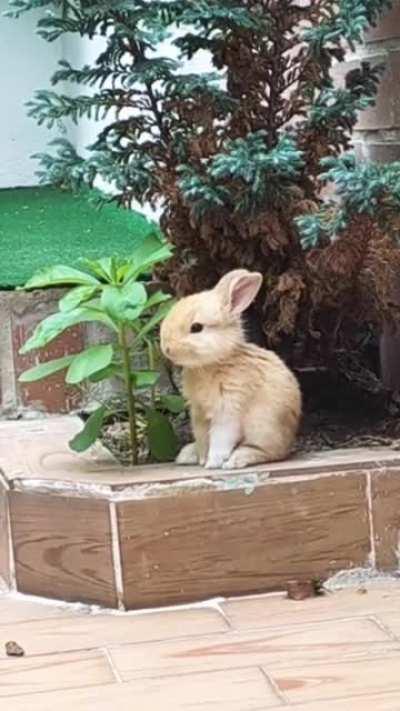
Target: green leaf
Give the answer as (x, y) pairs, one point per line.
(76, 297)
(111, 371)
(151, 251)
(124, 303)
(148, 247)
(163, 442)
(104, 268)
(54, 325)
(173, 403)
(154, 320)
(88, 362)
(160, 255)
(60, 275)
(145, 378)
(91, 431)
(158, 298)
(43, 370)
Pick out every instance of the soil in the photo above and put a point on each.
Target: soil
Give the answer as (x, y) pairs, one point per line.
(338, 414)
(115, 437)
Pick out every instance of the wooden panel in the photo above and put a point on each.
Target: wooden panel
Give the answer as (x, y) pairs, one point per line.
(31, 675)
(241, 690)
(272, 648)
(62, 547)
(329, 681)
(262, 611)
(192, 546)
(4, 539)
(385, 487)
(73, 631)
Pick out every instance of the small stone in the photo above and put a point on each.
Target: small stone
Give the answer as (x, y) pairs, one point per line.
(362, 591)
(301, 589)
(13, 649)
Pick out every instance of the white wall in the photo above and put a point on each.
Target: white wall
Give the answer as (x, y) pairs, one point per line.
(79, 52)
(26, 63)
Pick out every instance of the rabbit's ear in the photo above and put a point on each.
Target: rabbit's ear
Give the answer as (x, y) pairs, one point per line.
(238, 289)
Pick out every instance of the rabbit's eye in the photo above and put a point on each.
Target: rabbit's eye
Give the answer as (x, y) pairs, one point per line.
(196, 327)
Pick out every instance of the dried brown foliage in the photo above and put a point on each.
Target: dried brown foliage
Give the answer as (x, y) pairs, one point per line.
(312, 302)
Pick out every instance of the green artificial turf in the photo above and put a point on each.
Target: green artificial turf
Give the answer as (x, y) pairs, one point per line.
(44, 226)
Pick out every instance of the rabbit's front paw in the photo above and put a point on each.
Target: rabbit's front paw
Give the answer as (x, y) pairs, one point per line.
(188, 454)
(215, 460)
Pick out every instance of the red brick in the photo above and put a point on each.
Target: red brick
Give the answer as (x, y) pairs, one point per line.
(52, 394)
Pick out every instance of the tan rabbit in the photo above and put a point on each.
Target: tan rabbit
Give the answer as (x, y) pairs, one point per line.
(245, 403)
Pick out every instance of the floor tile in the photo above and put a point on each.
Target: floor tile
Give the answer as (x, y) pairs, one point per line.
(271, 647)
(82, 631)
(18, 609)
(391, 620)
(329, 681)
(239, 690)
(379, 702)
(267, 610)
(31, 675)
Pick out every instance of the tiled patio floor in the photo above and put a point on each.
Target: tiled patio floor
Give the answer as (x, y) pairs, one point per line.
(339, 652)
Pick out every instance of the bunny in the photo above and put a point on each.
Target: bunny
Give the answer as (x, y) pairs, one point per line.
(245, 403)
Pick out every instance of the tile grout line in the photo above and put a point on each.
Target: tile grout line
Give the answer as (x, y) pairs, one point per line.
(218, 607)
(113, 666)
(351, 697)
(368, 491)
(4, 481)
(384, 627)
(275, 688)
(11, 557)
(116, 555)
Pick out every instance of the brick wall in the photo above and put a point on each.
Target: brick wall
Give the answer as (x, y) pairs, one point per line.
(378, 134)
(20, 312)
(378, 138)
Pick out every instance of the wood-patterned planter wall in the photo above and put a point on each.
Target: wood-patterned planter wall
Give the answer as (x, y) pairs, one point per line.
(79, 528)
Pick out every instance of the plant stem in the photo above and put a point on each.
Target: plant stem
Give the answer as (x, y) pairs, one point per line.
(151, 359)
(129, 391)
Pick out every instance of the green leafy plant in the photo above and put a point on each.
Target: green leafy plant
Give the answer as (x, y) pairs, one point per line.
(114, 293)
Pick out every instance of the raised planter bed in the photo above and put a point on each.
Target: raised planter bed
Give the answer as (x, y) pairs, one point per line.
(81, 528)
